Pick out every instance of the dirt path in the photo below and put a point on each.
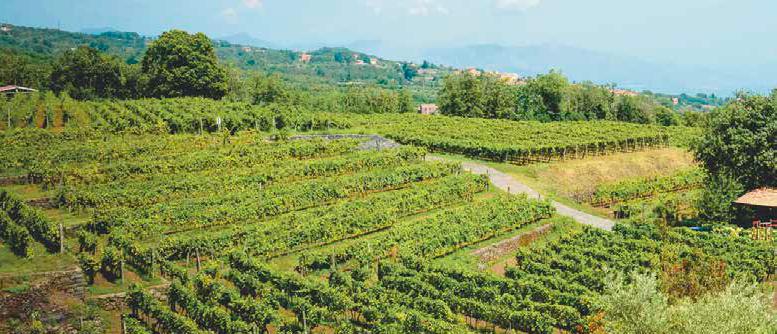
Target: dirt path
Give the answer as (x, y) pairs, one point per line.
(508, 183)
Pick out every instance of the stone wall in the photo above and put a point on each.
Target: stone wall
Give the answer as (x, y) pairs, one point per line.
(41, 287)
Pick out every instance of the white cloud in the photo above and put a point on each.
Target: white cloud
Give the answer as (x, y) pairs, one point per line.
(516, 5)
(427, 7)
(253, 3)
(410, 7)
(230, 15)
(375, 5)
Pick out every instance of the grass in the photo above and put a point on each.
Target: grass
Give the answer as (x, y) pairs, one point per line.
(68, 219)
(27, 191)
(39, 261)
(560, 181)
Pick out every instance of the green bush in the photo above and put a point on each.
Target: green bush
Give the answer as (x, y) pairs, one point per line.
(17, 237)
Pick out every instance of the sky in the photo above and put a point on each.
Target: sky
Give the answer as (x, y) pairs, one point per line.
(701, 32)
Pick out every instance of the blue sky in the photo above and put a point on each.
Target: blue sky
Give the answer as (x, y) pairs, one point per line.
(704, 32)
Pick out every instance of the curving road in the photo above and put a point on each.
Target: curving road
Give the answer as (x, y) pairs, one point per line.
(509, 184)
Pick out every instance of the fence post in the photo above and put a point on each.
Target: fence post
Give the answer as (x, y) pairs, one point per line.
(61, 238)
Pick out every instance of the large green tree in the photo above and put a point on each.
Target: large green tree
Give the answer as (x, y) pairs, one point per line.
(469, 95)
(86, 73)
(183, 64)
(740, 141)
(23, 70)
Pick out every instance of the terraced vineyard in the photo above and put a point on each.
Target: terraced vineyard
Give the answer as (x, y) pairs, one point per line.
(251, 233)
(518, 142)
(627, 190)
(155, 202)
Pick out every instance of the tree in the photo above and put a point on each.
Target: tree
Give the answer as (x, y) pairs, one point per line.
(266, 89)
(586, 101)
(740, 142)
(550, 88)
(409, 71)
(181, 64)
(666, 116)
(23, 70)
(468, 95)
(640, 307)
(634, 109)
(86, 73)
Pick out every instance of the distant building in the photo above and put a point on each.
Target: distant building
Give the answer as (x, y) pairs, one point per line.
(675, 100)
(428, 109)
(356, 56)
(511, 78)
(246, 49)
(11, 90)
(305, 57)
(360, 62)
(373, 61)
(5, 28)
(427, 71)
(623, 92)
(473, 71)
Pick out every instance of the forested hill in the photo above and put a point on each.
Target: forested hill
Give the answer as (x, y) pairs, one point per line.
(326, 65)
(26, 55)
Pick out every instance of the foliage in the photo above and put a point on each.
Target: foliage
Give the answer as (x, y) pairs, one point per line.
(518, 142)
(640, 307)
(112, 263)
(369, 100)
(85, 73)
(23, 69)
(740, 142)
(716, 198)
(468, 95)
(165, 320)
(89, 265)
(17, 237)
(438, 235)
(179, 64)
(608, 194)
(37, 225)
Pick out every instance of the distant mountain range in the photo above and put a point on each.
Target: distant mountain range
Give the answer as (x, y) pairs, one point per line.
(627, 72)
(586, 65)
(248, 40)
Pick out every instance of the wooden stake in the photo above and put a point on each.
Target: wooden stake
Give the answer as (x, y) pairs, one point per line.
(197, 252)
(61, 238)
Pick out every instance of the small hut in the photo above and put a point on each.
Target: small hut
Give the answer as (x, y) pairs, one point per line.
(11, 90)
(764, 203)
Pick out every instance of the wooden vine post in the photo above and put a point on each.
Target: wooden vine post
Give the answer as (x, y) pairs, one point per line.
(61, 238)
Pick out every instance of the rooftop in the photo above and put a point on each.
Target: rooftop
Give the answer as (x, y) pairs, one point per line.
(7, 89)
(766, 197)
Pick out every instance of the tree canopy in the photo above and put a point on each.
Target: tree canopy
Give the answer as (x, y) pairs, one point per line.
(182, 64)
(87, 73)
(740, 141)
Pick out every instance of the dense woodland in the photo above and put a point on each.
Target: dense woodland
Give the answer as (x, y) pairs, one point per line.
(200, 169)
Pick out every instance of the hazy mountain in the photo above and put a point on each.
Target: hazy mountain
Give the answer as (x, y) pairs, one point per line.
(248, 40)
(628, 72)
